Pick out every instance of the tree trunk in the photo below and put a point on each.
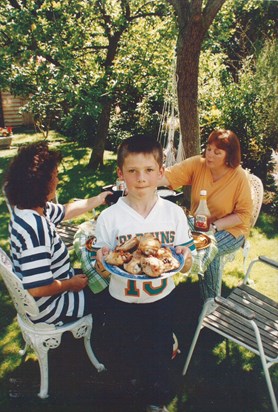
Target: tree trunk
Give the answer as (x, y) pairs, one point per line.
(187, 88)
(96, 159)
(194, 19)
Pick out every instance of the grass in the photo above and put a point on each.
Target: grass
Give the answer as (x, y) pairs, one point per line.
(218, 379)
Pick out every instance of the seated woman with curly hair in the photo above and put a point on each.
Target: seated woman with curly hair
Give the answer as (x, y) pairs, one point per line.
(39, 256)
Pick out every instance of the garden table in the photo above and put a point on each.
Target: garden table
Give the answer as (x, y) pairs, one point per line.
(86, 230)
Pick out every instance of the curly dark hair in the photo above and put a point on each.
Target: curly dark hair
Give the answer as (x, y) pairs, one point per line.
(28, 178)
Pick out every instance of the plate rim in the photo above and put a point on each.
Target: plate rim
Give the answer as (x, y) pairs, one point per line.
(204, 234)
(143, 277)
(171, 192)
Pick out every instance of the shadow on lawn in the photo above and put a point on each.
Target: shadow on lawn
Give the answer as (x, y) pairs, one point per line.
(214, 382)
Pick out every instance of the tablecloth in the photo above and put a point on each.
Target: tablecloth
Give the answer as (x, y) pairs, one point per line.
(97, 282)
(204, 256)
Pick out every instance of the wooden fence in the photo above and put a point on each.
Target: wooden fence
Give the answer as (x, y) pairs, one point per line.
(10, 106)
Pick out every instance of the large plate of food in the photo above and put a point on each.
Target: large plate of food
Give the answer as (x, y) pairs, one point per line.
(201, 240)
(143, 258)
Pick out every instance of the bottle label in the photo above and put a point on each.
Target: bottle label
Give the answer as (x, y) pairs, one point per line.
(201, 222)
(120, 184)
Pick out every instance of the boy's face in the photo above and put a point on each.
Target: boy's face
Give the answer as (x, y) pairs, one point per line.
(141, 173)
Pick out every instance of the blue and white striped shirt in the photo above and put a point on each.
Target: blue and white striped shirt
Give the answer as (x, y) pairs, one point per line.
(39, 257)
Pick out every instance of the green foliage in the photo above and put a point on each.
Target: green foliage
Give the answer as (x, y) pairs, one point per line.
(212, 80)
(134, 117)
(67, 56)
(238, 82)
(239, 28)
(142, 69)
(250, 106)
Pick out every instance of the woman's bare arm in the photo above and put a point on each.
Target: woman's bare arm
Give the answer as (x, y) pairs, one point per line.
(74, 284)
(79, 207)
(227, 221)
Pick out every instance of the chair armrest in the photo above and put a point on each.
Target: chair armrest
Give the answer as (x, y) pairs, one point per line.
(269, 261)
(225, 303)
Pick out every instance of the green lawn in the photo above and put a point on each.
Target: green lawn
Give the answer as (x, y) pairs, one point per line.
(217, 379)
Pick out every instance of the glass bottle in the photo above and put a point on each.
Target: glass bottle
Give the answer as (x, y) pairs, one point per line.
(120, 184)
(202, 214)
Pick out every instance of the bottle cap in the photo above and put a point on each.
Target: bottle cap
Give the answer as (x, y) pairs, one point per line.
(203, 192)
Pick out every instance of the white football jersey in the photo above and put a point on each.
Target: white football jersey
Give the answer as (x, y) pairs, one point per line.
(120, 222)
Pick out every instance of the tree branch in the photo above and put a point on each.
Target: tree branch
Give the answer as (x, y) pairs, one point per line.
(106, 23)
(15, 4)
(210, 11)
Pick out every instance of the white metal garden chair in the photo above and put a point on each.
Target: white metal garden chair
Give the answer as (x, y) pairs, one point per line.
(42, 336)
(257, 193)
(248, 318)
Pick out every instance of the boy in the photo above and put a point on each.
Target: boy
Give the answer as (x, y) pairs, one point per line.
(139, 318)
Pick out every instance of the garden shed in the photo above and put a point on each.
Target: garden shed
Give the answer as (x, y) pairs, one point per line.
(9, 111)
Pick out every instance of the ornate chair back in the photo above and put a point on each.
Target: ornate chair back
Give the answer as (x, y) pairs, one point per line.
(23, 302)
(257, 193)
(42, 336)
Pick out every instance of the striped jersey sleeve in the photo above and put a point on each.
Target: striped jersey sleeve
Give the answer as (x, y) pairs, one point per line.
(55, 212)
(39, 257)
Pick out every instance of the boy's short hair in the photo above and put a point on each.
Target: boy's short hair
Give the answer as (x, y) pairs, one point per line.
(139, 144)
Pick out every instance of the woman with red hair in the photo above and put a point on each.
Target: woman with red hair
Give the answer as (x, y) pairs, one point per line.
(219, 172)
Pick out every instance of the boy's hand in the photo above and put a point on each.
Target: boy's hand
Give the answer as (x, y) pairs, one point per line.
(101, 253)
(185, 251)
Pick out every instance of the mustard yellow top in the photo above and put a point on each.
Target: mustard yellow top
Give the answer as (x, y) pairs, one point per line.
(230, 194)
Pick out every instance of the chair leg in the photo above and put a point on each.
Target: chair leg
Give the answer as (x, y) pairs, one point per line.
(84, 330)
(206, 309)
(87, 343)
(265, 367)
(246, 277)
(41, 346)
(42, 355)
(23, 351)
(269, 385)
(245, 252)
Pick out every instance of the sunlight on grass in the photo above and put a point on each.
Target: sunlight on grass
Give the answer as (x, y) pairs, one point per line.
(172, 407)
(265, 277)
(236, 353)
(11, 343)
(184, 277)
